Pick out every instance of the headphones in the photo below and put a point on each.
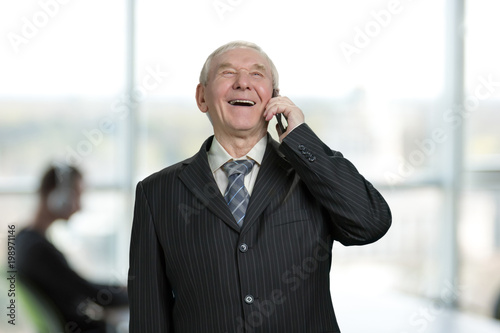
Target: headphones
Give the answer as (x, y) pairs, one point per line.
(61, 199)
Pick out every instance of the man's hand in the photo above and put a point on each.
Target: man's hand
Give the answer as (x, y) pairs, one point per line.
(285, 106)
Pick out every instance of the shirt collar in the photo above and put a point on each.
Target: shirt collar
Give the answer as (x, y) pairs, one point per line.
(218, 156)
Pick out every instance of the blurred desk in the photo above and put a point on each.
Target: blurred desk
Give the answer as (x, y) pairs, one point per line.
(390, 312)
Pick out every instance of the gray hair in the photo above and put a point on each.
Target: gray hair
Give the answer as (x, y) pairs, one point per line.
(238, 45)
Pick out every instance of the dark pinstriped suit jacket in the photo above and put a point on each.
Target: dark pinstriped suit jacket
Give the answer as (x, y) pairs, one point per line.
(193, 270)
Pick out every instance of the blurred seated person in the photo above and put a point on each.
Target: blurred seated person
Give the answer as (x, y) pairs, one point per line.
(43, 267)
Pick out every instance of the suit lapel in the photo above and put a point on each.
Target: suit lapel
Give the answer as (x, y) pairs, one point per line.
(272, 177)
(200, 181)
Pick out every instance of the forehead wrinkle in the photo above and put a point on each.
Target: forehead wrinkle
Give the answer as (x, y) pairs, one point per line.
(257, 66)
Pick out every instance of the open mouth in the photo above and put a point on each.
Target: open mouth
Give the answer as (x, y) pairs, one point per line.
(242, 102)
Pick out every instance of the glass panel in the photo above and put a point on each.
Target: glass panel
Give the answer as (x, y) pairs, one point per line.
(406, 255)
(57, 48)
(482, 86)
(62, 79)
(63, 76)
(77, 130)
(479, 240)
(479, 237)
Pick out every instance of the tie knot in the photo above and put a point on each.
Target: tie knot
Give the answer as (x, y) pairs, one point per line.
(238, 167)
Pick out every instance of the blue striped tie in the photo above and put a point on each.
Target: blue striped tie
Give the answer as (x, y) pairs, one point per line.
(236, 195)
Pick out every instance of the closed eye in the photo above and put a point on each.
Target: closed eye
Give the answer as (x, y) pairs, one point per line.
(228, 73)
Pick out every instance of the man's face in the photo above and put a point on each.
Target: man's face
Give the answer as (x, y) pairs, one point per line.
(238, 89)
(63, 206)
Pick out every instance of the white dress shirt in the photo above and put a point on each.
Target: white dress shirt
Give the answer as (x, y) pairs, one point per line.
(218, 156)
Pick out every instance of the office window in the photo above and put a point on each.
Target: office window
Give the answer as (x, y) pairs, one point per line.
(369, 76)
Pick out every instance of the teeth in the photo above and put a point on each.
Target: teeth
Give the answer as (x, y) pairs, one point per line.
(242, 102)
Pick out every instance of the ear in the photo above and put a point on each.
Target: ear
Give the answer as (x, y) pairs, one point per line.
(200, 98)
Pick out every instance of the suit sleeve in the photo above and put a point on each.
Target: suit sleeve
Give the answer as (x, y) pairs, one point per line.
(358, 212)
(150, 293)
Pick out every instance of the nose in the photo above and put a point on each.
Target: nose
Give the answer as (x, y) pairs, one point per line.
(242, 81)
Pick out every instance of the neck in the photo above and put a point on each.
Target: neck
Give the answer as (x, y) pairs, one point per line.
(239, 146)
(43, 220)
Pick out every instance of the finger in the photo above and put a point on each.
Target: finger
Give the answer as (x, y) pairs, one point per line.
(273, 110)
(270, 111)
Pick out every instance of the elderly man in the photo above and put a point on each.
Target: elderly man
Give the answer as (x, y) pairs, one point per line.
(238, 238)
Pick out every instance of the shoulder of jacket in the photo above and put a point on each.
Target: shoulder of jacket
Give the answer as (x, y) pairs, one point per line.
(164, 173)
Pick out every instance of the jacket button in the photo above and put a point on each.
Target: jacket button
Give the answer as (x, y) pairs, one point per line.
(243, 247)
(302, 147)
(249, 299)
(312, 158)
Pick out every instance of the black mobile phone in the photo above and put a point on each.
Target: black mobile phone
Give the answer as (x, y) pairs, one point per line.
(278, 115)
